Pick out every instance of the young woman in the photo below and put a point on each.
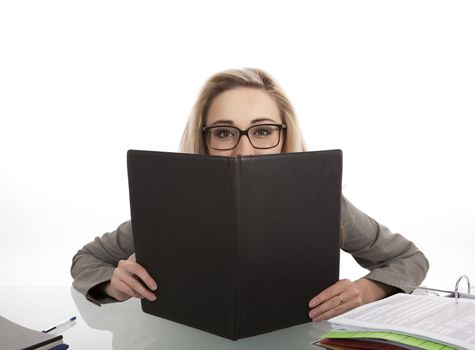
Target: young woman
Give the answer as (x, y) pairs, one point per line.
(244, 112)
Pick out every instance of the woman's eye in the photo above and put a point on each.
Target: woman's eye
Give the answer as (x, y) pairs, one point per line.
(223, 133)
(262, 132)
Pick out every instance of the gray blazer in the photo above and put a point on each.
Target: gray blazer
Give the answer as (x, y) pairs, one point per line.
(390, 258)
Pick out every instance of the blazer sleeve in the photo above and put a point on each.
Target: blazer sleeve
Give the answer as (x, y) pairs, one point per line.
(96, 261)
(390, 257)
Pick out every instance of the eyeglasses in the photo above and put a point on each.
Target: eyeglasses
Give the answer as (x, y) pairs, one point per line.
(262, 136)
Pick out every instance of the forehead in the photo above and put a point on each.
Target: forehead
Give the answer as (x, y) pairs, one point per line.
(242, 105)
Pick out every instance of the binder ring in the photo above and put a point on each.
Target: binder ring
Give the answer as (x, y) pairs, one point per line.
(457, 287)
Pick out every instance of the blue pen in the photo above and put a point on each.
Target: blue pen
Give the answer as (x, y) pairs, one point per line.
(61, 324)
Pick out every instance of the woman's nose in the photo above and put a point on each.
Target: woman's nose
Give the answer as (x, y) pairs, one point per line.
(244, 147)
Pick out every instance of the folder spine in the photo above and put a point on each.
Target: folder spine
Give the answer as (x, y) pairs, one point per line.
(235, 247)
(238, 248)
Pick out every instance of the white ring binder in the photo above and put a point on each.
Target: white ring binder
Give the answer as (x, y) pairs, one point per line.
(457, 287)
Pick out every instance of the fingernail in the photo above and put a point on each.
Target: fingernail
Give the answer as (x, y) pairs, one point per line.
(312, 304)
(154, 287)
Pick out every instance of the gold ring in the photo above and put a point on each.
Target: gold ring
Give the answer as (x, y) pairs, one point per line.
(341, 300)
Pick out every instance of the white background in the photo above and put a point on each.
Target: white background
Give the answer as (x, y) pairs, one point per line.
(390, 83)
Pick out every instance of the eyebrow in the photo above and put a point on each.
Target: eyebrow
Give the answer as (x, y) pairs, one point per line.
(254, 121)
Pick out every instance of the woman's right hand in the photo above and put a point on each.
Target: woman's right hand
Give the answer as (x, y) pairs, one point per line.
(125, 281)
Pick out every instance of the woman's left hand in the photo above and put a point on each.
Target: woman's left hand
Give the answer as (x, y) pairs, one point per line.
(345, 295)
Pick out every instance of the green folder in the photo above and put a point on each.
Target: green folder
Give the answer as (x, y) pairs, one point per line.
(389, 337)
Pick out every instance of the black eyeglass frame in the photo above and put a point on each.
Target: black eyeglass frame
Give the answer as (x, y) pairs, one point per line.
(205, 129)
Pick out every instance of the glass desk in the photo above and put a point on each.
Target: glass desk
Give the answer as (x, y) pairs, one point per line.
(125, 326)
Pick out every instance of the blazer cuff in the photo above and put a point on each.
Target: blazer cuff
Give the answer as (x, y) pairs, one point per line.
(391, 279)
(88, 285)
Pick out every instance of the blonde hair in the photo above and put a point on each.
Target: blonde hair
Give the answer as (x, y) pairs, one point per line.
(192, 140)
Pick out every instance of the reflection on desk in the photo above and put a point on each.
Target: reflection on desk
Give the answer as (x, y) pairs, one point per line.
(124, 326)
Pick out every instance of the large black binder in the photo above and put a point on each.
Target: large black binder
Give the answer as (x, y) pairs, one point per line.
(237, 245)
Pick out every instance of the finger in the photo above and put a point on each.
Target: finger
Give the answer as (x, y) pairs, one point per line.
(330, 292)
(351, 297)
(337, 310)
(330, 304)
(136, 269)
(118, 286)
(132, 258)
(122, 291)
(137, 287)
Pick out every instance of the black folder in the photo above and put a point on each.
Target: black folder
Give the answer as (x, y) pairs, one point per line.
(237, 245)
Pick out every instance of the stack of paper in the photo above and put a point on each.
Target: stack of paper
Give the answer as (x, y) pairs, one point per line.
(405, 321)
(16, 337)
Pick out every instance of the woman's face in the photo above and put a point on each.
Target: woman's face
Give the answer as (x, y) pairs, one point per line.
(244, 108)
